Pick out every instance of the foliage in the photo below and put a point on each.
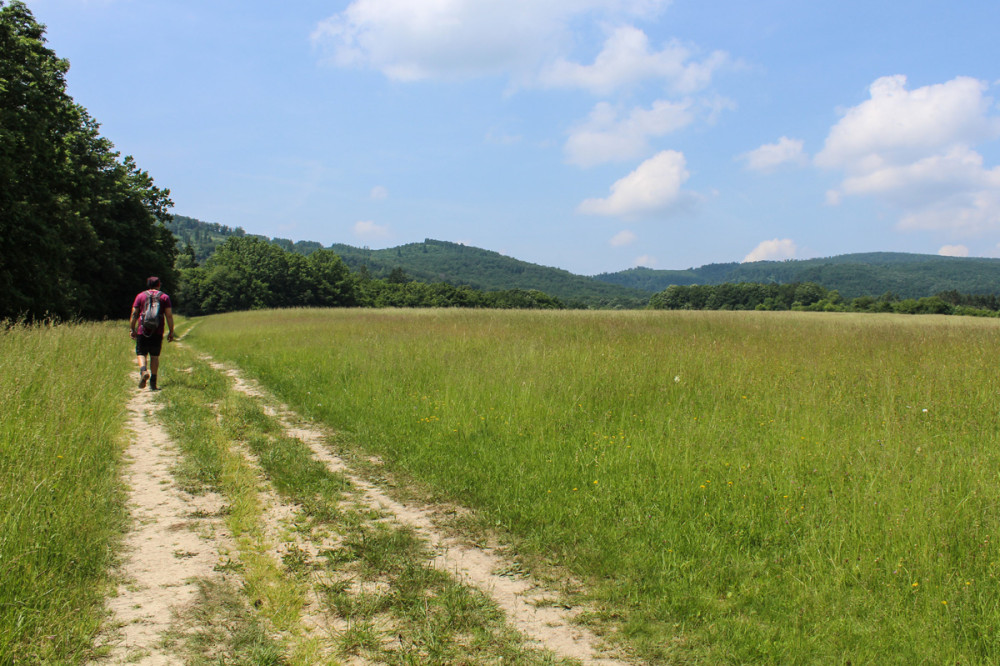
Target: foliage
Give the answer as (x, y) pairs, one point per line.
(62, 506)
(435, 262)
(388, 294)
(462, 265)
(813, 297)
(852, 275)
(767, 488)
(249, 273)
(80, 226)
(201, 237)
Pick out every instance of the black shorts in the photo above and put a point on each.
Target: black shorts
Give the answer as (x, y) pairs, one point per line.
(150, 345)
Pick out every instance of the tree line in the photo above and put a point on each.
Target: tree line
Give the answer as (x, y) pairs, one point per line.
(251, 273)
(813, 297)
(80, 225)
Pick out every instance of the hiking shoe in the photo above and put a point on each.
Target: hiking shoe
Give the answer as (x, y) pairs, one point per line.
(143, 379)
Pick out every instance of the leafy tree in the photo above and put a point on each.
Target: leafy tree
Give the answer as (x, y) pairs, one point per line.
(250, 273)
(80, 226)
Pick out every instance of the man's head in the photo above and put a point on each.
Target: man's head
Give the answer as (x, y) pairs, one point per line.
(152, 283)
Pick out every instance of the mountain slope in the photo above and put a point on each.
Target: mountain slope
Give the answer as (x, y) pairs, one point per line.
(863, 274)
(441, 261)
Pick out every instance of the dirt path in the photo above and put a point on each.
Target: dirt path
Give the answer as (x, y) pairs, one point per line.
(527, 605)
(176, 540)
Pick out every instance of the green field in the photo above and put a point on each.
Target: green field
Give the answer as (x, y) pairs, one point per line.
(729, 487)
(62, 406)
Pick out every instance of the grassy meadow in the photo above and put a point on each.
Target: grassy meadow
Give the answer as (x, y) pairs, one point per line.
(730, 487)
(62, 408)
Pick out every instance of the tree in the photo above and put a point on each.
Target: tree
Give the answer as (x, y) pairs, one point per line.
(250, 273)
(80, 227)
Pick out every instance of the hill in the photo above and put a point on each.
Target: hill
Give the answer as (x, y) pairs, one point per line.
(462, 265)
(864, 274)
(905, 275)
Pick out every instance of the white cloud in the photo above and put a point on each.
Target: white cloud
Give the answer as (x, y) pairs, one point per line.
(898, 125)
(772, 250)
(418, 39)
(654, 187)
(368, 229)
(772, 155)
(379, 193)
(966, 213)
(954, 251)
(622, 238)
(627, 59)
(645, 261)
(606, 137)
(912, 149)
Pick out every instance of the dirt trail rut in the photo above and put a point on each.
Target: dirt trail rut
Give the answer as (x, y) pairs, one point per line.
(527, 605)
(176, 540)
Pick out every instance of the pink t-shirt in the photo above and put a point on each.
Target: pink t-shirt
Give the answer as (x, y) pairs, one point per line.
(140, 304)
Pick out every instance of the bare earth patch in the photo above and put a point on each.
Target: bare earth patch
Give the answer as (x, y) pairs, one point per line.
(526, 603)
(176, 540)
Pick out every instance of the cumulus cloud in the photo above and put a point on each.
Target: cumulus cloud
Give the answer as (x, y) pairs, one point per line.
(897, 125)
(954, 251)
(645, 261)
(419, 39)
(913, 150)
(379, 193)
(654, 187)
(369, 230)
(627, 59)
(772, 250)
(772, 155)
(622, 238)
(606, 136)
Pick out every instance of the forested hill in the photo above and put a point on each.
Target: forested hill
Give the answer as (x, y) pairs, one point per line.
(441, 261)
(853, 275)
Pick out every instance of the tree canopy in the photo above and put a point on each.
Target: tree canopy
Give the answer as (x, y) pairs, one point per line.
(81, 227)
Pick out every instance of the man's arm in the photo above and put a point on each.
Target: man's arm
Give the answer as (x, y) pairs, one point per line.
(169, 314)
(133, 321)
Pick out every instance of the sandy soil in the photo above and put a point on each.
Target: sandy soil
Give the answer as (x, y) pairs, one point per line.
(176, 539)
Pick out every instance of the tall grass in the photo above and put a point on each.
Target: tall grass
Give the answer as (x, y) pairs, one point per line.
(62, 396)
(734, 487)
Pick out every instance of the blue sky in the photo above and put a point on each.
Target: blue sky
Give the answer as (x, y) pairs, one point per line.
(592, 135)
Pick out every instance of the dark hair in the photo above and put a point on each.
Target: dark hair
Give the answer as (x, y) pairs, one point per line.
(152, 283)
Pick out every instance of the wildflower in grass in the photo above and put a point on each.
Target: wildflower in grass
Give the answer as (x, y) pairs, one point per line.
(677, 379)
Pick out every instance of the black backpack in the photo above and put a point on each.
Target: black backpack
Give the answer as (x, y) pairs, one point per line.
(150, 317)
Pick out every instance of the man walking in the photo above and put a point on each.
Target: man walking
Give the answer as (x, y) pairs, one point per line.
(149, 311)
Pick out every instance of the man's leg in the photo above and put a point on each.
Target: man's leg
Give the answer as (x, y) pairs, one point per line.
(154, 365)
(143, 375)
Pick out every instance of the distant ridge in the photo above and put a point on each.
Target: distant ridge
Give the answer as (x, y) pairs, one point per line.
(862, 274)
(442, 261)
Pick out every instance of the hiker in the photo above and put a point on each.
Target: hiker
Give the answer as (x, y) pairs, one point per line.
(149, 311)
